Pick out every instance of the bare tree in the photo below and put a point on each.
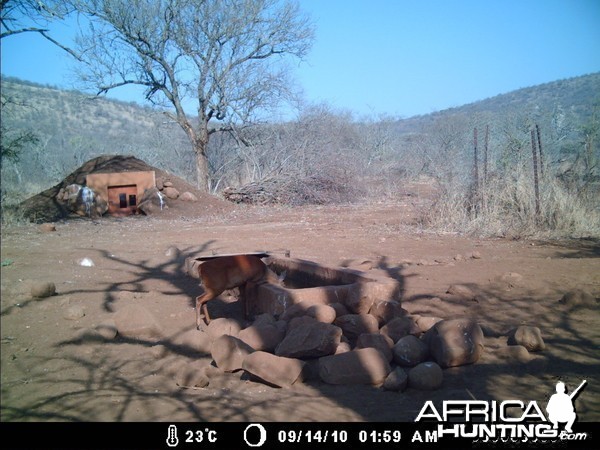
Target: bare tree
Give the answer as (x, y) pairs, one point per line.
(26, 16)
(33, 16)
(444, 150)
(12, 142)
(223, 59)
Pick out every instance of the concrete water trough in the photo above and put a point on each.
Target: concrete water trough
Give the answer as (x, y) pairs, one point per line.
(312, 284)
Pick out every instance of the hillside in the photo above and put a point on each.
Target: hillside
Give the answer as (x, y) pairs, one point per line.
(72, 128)
(575, 97)
(573, 94)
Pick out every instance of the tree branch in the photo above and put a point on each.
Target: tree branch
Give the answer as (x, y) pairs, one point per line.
(65, 48)
(105, 89)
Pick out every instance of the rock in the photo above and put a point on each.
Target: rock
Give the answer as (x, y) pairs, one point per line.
(148, 208)
(137, 322)
(296, 310)
(158, 351)
(475, 254)
(171, 192)
(365, 265)
(75, 312)
(578, 297)
(309, 339)
(513, 353)
(425, 323)
(43, 289)
(410, 351)
(455, 342)
(264, 319)
(188, 197)
(229, 352)
(173, 252)
(153, 201)
(302, 321)
(377, 341)
(107, 330)
(193, 343)
(275, 370)
(528, 337)
(167, 184)
(400, 327)
(47, 227)
(62, 195)
(282, 326)
(396, 381)
(511, 278)
(321, 313)
(262, 337)
(361, 366)
(192, 375)
(85, 262)
(310, 371)
(427, 376)
(353, 325)
(222, 325)
(385, 311)
(361, 299)
(492, 330)
(70, 192)
(212, 371)
(83, 201)
(460, 290)
(343, 347)
(340, 309)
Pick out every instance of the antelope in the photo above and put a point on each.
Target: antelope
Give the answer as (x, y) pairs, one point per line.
(227, 272)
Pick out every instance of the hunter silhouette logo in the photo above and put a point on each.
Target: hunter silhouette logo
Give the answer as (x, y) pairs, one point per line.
(560, 406)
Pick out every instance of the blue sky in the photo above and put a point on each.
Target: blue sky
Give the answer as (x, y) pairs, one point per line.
(402, 58)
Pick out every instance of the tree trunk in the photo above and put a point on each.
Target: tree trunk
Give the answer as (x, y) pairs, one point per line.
(200, 137)
(202, 170)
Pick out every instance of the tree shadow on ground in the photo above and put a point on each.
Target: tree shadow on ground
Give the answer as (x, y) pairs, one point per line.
(575, 248)
(569, 333)
(126, 379)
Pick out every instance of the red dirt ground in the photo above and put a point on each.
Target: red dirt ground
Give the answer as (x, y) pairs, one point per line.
(48, 374)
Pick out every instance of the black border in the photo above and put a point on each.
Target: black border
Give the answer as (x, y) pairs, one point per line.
(279, 435)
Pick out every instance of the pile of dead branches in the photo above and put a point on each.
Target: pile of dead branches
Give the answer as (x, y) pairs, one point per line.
(308, 190)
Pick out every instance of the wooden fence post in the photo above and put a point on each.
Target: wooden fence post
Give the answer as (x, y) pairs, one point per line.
(535, 175)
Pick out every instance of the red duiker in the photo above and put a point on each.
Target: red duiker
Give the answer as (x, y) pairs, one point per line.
(228, 272)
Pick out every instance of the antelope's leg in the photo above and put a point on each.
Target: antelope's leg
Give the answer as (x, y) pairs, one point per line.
(201, 304)
(206, 315)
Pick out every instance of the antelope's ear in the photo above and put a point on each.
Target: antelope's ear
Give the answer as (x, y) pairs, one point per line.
(281, 276)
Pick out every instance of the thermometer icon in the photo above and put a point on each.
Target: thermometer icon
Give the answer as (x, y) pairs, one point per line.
(172, 439)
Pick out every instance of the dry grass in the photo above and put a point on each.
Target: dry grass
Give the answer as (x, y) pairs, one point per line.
(506, 207)
(10, 214)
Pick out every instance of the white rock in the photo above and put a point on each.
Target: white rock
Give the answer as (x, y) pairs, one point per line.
(86, 262)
